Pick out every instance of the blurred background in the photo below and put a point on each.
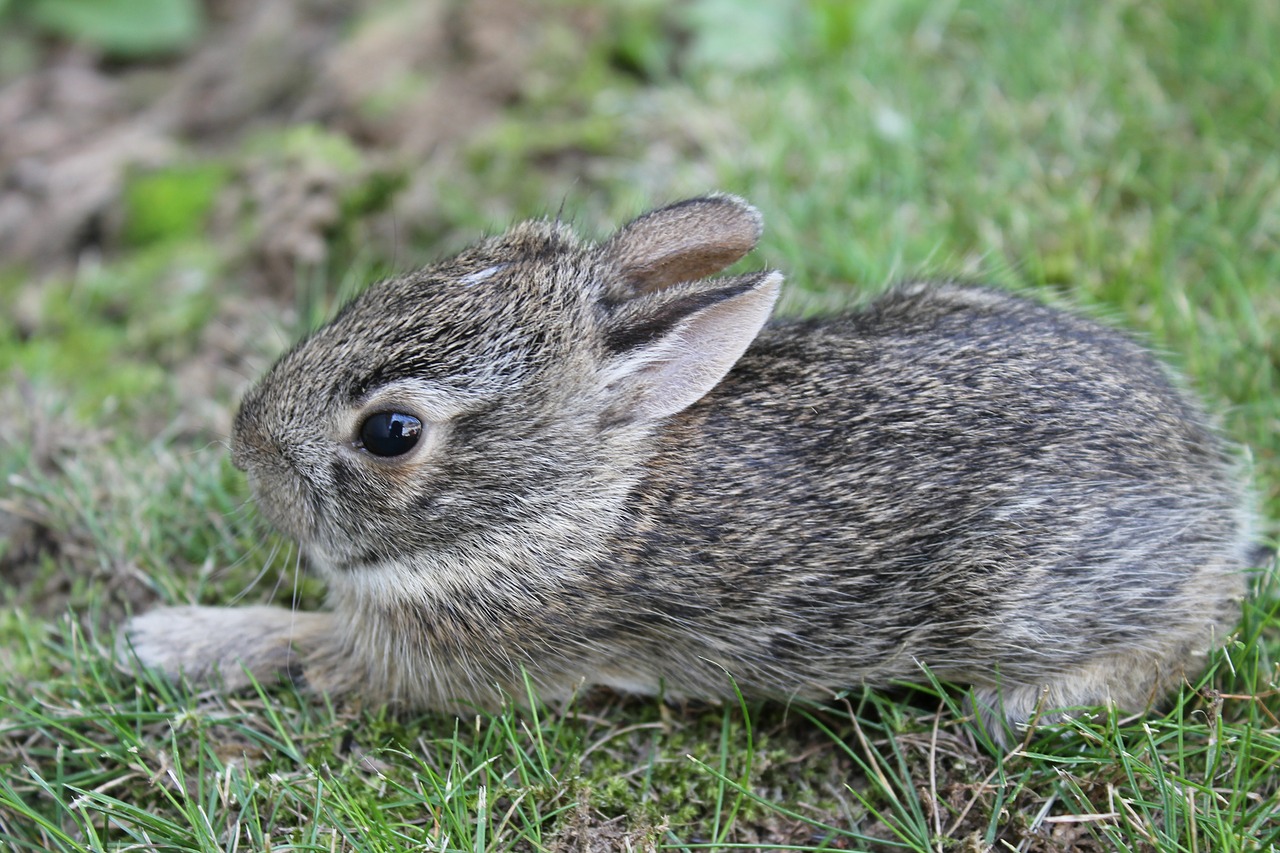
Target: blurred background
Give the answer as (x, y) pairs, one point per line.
(178, 178)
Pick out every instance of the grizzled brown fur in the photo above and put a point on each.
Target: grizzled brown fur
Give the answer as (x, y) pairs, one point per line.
(608, 490)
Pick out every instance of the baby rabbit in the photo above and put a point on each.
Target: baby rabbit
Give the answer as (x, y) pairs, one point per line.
(594, 464)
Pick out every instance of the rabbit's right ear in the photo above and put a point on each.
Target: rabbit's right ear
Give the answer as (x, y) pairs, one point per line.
(669, 348)
(685, 241)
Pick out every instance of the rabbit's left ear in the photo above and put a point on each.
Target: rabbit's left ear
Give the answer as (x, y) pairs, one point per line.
(685, 241)
(669, 348)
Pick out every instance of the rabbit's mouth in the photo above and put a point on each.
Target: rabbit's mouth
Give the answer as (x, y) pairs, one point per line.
(287, 502)
(298, 509)
(274, 468)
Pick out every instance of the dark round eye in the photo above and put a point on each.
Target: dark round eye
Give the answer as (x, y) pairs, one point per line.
(390, 433)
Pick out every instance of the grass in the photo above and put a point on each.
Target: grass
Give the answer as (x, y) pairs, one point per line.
(1119, 157)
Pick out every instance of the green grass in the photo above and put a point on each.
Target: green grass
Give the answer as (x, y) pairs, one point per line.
(1119, 157)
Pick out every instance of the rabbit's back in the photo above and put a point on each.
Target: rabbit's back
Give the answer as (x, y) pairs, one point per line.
(953, 476)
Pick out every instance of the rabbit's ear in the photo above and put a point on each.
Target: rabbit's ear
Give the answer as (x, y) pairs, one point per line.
(686, 241)
(670, 348)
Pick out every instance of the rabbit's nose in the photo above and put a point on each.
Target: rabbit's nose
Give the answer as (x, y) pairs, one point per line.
(238, 459)
(239, 452)
(246, 432)
(243, 441)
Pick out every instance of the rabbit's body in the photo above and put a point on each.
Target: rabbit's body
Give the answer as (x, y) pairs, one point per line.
(1019, 515)
(1015, 497)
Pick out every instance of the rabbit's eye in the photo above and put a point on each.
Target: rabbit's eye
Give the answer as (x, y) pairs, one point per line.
(390, 433)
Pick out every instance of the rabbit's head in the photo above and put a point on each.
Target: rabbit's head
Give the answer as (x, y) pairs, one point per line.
(510, 388)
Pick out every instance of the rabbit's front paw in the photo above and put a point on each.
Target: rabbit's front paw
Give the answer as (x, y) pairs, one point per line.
(229, 643)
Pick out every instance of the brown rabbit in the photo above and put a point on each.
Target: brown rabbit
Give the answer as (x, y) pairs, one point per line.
(593, 464)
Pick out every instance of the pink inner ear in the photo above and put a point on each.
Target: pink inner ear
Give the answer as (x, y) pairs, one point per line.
(674, 372)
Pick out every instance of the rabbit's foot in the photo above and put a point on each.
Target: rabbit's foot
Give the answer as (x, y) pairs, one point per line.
(1128, 682)
(231, 644)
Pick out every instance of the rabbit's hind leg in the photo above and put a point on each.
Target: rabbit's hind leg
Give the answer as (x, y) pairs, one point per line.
(1130, 682)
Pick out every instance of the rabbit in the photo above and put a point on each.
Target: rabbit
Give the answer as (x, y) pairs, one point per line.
(557, 463)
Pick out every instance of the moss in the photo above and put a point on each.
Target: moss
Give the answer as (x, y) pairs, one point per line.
(170, 204)
(309, 144)
(109, 333)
